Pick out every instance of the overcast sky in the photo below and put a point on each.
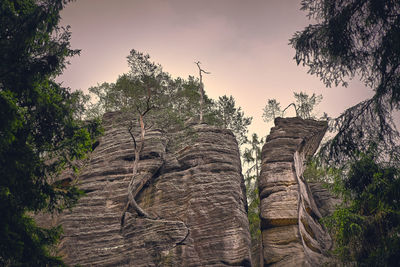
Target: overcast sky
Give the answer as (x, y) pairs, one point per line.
(243, 43)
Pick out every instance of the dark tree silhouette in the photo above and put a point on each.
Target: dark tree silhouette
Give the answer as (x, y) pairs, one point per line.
(39, 131)
(353, 38)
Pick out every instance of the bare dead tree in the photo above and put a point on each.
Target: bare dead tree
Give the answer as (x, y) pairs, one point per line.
(201, 89)
(295, 109)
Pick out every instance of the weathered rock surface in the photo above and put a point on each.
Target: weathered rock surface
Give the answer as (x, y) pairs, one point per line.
(196, 192)
(291, 233)
(324, 199)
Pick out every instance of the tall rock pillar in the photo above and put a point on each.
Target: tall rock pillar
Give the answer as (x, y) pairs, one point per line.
(291, 233)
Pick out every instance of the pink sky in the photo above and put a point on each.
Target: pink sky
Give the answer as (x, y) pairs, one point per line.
(244, 44)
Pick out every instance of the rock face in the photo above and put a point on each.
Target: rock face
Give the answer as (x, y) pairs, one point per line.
(197, 196)
(291, 233)
(325, 201)
(196, 192)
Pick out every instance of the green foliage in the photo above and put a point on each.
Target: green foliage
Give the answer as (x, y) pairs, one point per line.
(303, 107)
(79, 103)
(252, 157)
(186, 98)
(172, 102)
(102, 103)
(352, 37)
(233, 118)
(305, 104)
(272, 110)
(145, 86)
(31, 245)
(360, 38)
(315, 172)
(147, 92)
(253, 213)
(355, 39)
(366, 227)
(39, 131)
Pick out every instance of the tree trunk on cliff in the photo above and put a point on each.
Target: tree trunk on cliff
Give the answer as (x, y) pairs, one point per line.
(135, 186)
(201, 89)
(201, 100)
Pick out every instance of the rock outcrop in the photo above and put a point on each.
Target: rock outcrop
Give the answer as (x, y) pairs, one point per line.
(196, 193)
(291, 232)
(196, 200)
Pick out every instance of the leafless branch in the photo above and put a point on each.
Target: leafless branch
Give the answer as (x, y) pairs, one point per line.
(200, 69)
(291, 104)
(201, 89)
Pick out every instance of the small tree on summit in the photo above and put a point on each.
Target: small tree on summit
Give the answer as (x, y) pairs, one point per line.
(231, 117)
(138, 94)
(272, 110)
(303, 107)
(144, 94)
(306, 104)
(149, 98)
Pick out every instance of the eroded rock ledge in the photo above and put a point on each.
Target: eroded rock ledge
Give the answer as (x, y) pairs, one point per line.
(196, 192)
(291, 233)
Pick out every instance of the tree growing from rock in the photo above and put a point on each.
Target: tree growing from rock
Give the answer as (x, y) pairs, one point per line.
(148, 97)
(186, 97)
(138, 94)
(272, 110)
(233, 118)
(303, 106)
(201, 89)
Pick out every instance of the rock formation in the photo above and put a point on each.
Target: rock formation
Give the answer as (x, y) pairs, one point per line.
(196, 193)
(291, 232)
(196, 200)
